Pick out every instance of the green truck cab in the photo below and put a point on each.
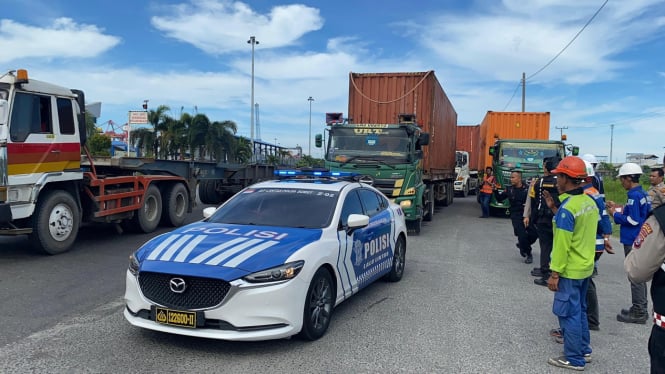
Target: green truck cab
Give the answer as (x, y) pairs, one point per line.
(386, 156)
(524, 155)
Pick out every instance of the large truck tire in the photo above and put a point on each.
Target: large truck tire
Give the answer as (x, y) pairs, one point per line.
(429, 205)
(176, 200)
(148, 216)
(465, 190)
(207, 192)
(450, 195)
(55, 223)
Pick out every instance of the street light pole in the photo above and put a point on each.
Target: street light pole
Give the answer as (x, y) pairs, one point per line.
(252, 40)
(310, 99)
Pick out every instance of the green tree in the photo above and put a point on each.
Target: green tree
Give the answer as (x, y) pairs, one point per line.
(99, 145)
(143, 139)
(157, 119)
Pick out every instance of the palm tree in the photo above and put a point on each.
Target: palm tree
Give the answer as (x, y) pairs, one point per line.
(157, 119)
(144, 139)
(220, 140)
(241, 150)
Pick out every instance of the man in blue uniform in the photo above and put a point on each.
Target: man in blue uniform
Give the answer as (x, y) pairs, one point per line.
(631, 217)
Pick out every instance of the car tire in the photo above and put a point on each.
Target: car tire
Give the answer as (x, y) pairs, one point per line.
(399, 261)
(318, 308)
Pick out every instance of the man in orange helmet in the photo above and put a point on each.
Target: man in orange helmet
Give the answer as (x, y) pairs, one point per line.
(572, 259)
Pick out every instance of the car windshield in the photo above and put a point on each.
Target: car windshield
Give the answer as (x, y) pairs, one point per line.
(390, 145)
(283, 207)
(527, 154)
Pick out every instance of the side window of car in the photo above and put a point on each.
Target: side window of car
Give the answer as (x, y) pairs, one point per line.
(370, 201)
(351, 205)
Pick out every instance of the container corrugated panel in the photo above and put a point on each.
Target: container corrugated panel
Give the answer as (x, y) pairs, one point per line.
(511, 125)
(382, 97)
(468, 139)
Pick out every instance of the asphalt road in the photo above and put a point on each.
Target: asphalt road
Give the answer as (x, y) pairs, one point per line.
(466, 304)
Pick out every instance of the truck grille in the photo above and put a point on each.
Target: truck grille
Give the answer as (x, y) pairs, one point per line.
(386, 186)
(200, 293)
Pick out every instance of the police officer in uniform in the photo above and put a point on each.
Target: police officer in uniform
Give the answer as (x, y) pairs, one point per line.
(538, 213)
(646, 261)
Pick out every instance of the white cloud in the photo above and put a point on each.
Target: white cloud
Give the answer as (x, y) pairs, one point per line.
(64, 38)
(219, 27)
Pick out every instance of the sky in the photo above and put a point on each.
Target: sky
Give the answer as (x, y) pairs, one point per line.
(605, 88)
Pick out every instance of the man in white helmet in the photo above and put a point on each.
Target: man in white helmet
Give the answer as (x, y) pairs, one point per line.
(630, 218)
(597, 179)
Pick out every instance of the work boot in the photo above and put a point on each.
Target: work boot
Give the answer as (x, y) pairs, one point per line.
(541, 281)
(529, 259)
(633, 316)
(625, 312)
(537, 272)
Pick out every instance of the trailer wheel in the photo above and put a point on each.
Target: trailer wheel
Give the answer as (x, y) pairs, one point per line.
(429, 204)
(176, 199)
(450, 195)
(147, 217)
(55, 223)
(207, 192)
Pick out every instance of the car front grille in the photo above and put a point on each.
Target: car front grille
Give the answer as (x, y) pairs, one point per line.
(200, 293)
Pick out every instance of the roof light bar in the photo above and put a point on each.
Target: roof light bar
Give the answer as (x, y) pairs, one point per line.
(314, 173)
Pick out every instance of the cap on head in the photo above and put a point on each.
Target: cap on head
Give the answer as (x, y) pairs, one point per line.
(571, 166)
(589, 168)
(630, 168)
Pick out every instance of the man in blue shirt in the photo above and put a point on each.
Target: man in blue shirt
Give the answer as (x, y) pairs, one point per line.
(630, 218)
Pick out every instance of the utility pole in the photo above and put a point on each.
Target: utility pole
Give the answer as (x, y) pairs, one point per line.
(252, 40)
(611, 141)
(523, 91)
(310, 99)
(561, 128)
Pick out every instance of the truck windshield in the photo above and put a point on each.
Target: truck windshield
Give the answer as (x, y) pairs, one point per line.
(389, 145)
(527, 155)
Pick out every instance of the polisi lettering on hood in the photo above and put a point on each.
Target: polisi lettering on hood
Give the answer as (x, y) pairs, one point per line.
(250, 248)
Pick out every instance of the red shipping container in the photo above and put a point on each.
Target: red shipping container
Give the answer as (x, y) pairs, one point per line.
(511, 125)
(468, 139)
(382, 97)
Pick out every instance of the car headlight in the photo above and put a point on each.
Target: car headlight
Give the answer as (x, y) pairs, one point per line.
(133, 265)
(276, 274)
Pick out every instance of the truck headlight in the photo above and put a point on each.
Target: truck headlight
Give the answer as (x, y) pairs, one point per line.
(405, 204)
(276, 274)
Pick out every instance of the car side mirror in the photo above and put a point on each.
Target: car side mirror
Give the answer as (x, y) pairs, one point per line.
(356, 221)
(423, 139)
(209, 211)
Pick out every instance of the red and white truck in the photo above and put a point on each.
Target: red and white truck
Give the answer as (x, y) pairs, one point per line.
(48, 187)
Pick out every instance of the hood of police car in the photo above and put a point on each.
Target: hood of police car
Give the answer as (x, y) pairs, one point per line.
(222, 251)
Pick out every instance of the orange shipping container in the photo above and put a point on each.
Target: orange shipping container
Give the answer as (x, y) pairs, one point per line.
(511, 125)
(468, 139)
(382, 97)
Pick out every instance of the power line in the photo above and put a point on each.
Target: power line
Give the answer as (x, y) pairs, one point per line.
(570, 42)
(558, 54)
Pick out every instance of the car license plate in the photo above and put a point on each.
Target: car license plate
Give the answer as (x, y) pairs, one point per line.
(175, 317)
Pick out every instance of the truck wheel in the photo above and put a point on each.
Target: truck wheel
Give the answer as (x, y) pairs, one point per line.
(465, 191)
(147, 217)
(429, 205)
(451, 194)
(55, 223)
(176, 199)
(207, 192)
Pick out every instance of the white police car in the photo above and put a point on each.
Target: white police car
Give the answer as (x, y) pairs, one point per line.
(271, 262)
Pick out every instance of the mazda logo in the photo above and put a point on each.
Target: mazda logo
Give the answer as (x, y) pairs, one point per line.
(366, 179)
(177, 285)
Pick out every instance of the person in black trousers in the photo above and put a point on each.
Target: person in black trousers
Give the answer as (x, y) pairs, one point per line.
(516, 194)
(539, 215)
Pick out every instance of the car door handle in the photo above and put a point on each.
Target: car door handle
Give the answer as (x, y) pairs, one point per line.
(55, 151)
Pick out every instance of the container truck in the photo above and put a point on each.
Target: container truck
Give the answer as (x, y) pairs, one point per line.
(468, 153)
(517, 140)
(400, 136)
(48, 188)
